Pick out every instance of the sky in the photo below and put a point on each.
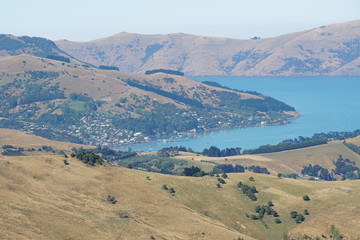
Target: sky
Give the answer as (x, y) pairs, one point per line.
(84, 20)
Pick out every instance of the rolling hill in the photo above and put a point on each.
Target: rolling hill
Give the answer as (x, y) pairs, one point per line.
(332, 50)
(42, 198)
(64, 99)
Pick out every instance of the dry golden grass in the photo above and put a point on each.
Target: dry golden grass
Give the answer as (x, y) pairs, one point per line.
(287, 161)
(41, 198)
(355, 140)
(26, 140)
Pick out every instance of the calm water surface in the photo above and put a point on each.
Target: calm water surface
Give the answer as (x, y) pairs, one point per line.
(325, 103)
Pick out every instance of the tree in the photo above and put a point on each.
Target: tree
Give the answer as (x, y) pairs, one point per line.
(293, 214)
(279, 175)
(251, 179)
(224, 175)
(306, 198)
(277, 221)
(299, 218)
(192, 171)
(306, 212)
(270, 203)
(222, 181)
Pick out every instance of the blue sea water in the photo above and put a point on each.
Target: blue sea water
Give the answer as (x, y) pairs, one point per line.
(325, 104)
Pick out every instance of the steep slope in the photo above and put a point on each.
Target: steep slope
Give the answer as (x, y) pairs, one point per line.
(11, 45)
(327, 50)
(75, 102)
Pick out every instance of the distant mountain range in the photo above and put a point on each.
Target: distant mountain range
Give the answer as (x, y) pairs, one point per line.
(327, 50)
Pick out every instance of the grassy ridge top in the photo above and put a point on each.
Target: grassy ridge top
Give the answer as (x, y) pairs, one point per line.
(325, 50)
(26, 140)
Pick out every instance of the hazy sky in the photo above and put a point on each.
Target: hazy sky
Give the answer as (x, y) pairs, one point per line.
(82, 20)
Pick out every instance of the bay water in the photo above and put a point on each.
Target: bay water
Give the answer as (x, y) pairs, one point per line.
(325, 104)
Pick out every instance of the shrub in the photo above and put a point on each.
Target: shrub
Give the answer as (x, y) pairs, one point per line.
(299, 219)
(277, 221)
(222, 181)
(293, 214)
(111, 199)
(306, 198)
(224, 175)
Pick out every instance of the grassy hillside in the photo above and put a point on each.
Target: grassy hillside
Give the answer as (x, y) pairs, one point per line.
(74, 102)
(25, 140)
(42, 198)
(286, 162)
(326, 50)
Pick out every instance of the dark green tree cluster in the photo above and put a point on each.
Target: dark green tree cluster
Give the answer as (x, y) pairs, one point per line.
(285, 146)
(103, 67)
(262, 211)
(216, 152)
(258, 169)
(59, 58)
(89, 158)
(37, 93)
(248, 191)
(337, 135)
(317, 171)
(193, 172)
(38, 75)
(164, 120)
(228, 168)
(9, 150)
(178, 148)
(167, 71)
(352, 147)
(346, 168)
(299, 218)
(302, 142)
(112, 155)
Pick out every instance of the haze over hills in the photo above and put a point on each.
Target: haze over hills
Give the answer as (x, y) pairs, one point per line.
(326, 50)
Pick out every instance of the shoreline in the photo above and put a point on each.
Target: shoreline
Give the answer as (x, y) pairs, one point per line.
(174, 138)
